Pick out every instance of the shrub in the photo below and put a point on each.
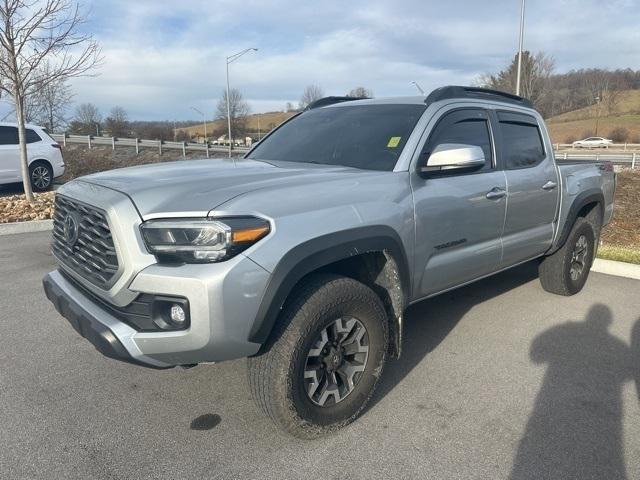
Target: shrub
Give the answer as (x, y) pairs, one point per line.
(619, 134)
(636, 138)
(570, 139)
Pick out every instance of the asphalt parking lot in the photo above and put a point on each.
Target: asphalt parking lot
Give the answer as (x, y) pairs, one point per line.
(497, 380)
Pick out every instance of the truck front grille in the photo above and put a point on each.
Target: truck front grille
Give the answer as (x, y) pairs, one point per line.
(82, 241)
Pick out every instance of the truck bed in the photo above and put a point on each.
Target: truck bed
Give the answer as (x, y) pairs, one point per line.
(585, 178)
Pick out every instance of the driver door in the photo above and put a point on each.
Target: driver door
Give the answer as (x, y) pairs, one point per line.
(459, 213)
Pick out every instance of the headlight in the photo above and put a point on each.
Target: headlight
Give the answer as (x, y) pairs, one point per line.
(201, 240)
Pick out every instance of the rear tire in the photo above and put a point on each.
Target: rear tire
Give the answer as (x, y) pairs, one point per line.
(565, 271)
(309, 383)
(40, 176)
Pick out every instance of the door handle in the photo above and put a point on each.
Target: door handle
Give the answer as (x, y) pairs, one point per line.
(549, 185)
(495, 193)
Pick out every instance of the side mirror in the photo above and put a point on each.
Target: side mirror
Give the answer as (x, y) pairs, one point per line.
(454, 156)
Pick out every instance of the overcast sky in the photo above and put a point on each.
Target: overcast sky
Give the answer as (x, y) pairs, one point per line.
(161, 56)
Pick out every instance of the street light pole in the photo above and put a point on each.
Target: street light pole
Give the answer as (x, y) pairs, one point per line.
(520, 48)
(204, 122)
(228, 111)
(419, 88)
(230, 59)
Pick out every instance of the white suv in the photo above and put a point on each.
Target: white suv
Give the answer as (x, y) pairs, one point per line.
(44, 154)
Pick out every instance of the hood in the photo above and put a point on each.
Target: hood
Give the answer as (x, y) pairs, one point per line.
(195, 187)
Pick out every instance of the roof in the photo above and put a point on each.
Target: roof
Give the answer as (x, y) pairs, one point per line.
(442, 93)
(15, 124)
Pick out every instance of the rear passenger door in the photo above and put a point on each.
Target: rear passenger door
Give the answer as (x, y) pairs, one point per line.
(532, 185)
(459, 215)
(9, 155)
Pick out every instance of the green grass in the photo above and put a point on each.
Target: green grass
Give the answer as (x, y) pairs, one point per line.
(619, 254)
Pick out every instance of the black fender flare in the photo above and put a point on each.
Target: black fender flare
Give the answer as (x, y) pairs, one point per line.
(319, 252)
(584, 198)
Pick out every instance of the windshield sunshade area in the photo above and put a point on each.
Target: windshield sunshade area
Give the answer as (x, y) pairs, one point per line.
(369, 137)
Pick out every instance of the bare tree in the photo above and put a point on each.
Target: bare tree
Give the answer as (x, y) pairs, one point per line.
(32, 109)
(536, 72)
(48, 104)
(311, 94)
(360, 92)
(117, 123)
(33, 32)
(239, 110)
(87, 120)
(53, 100)
(604, 89)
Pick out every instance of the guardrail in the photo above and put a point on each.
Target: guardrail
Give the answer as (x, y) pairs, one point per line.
(614, 146)
(139, 143)
(630, 159)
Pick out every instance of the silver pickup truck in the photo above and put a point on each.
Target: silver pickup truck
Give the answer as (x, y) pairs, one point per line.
(304, 255)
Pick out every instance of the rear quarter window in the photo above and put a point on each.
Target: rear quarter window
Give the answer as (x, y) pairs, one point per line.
(32, 136)
(522, 145)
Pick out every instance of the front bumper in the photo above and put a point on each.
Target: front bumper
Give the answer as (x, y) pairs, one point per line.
(104, 331)
(223, 301)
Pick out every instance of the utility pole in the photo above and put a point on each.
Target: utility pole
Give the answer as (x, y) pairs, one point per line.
(520, 48)
(230, 59)
(597, 114)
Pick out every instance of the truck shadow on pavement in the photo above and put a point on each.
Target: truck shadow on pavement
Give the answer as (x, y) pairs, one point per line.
(427, 323)
(575, 428)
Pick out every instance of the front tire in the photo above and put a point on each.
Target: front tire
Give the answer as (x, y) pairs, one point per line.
(40, 176)
(322, 364)
(566, 271)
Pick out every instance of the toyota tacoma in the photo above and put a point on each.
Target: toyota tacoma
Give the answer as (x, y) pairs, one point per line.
(304, 254)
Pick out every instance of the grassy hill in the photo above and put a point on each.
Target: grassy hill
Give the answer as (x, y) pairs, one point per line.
(581, 123)
(258, 121)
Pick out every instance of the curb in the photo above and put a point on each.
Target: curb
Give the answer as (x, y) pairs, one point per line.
(25, 227)
(619, 269)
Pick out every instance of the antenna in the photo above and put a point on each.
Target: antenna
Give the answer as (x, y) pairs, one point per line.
(419, 88)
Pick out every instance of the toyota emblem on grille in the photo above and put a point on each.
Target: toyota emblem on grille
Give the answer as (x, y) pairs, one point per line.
(70, 229)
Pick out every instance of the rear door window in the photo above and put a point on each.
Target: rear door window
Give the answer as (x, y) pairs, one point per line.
(522, 145)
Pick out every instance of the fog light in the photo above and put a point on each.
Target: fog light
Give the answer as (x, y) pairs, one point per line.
(178, 314)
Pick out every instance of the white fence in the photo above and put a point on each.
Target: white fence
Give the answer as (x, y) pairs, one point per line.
(138, 143)
(625, 159)
(614, 146)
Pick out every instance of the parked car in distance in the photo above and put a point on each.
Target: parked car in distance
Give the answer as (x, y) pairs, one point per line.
(44, 156)
(304, 255)
(592, 142)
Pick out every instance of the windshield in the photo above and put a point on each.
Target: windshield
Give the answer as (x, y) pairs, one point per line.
(361, 136)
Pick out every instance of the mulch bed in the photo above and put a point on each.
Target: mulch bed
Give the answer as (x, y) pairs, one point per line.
(16, 208)
(624, 229)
